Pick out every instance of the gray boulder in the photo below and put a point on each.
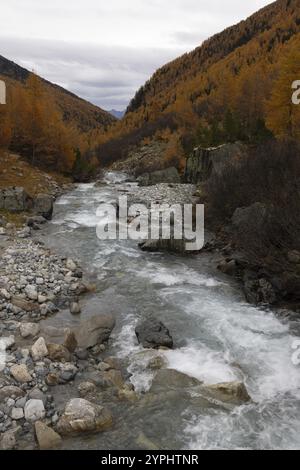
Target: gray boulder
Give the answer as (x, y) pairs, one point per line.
(94, 331)
(81, 416)
(152, 333)
(170, 246)
(15, 200)
(230, 392)
(169, 378)
(43, 206)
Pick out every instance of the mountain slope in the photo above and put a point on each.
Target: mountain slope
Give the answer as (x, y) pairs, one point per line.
(75, 110)
(214, 94)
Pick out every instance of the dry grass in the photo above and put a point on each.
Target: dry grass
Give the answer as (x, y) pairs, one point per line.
(16, 172)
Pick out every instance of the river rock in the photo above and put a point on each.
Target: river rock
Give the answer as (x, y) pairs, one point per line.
(81, 416)
(152, 333)
(231, 392)
(75, 308)
(169, 378)
(157, 363)
(5, 294)
(31, 292)
(23, 304)
(58, 353)
(115, 377)
(71, 265)
(70, 341)
(17, 414)
(39, 350)
(29, 330)
(171, 246)
(8, 441)
(85, 388)
(228, 267)
(46, 437)
(20, 373)
(10, 391)
(94, 331)
(34, 410)
(43, 206)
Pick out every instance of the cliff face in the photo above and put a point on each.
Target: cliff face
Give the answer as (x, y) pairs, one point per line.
(204, 163)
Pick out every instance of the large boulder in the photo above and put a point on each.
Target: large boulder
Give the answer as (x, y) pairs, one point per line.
(204, 163)
(229, 392)
(94, 331)
(152, 333)
(81, 416)
(170, 246)
(46, 437)
(169, 175)
(43, 206)
(15, 200)
(58, 352)
(169, 378)
(20, 373)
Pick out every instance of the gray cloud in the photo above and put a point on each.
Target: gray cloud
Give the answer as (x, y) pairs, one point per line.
(104, 51)
(107, 76)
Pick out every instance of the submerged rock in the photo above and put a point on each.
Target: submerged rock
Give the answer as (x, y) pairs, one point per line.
(81, 416)
(94, 331)
(230, 392)
(152, 333)
(46, 437)
(169, 378)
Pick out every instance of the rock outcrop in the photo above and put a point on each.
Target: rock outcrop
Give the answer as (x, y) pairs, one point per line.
(17, 200)
(204, 163)
(169, 175)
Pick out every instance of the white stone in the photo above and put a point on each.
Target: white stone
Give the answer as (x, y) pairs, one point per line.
(31, 292)
(39, 350)
(7, 342)
(34, 410)
(17, 413)
(29, 329)
(71, 265)
(4, 294)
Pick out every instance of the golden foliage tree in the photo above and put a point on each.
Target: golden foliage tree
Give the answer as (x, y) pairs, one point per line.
(283, 116)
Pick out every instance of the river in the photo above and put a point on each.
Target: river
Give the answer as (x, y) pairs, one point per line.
(218, 337)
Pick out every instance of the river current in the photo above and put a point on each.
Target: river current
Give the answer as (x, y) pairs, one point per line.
(218, 338)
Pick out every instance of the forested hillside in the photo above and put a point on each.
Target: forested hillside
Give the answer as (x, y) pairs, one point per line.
(47, 124)
(236, 86)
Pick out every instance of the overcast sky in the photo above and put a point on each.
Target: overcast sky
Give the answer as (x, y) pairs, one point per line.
(103, 50)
